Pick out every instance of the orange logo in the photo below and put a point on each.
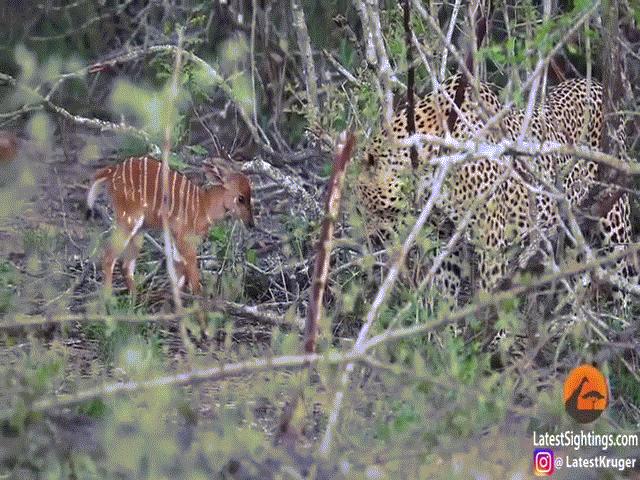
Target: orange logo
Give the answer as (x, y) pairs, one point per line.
(585, 393)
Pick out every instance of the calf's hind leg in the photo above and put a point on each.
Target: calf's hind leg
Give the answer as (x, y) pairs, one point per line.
(131, 252)
(119, 241)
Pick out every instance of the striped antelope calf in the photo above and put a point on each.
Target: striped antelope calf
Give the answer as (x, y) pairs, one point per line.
(135, 187)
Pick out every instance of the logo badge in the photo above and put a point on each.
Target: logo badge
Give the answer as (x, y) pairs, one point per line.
(543, 462)
(586, 394)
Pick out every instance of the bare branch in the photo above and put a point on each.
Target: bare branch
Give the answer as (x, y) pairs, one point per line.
(496, 151)
(448, 39)
(307, 202)
(306, 54)
(323, 255)
(411, 78)
(100, 125)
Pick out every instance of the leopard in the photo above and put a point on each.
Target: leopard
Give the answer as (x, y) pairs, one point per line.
(514, 199)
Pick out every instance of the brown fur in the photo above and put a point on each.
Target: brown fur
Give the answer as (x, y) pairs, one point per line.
(8, 146)
(135, 188)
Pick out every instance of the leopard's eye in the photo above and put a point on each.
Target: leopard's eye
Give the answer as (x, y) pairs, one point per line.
(241, 199)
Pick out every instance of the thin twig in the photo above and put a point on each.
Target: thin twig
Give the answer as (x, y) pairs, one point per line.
(100, 125)
(254, 312)
(411, 79)
(306, 55)
(169, 245)
(448, 39)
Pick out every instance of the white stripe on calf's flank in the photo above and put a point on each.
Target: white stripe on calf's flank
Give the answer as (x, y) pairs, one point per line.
(123, 177)
(144, 183)
(181, 196)
(187, 202)
(173, 193)
(140, 182)
(155, 189)
(133, 186)
(113, 178)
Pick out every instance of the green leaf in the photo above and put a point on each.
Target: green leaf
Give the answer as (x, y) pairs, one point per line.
(252, 256)
(197, 150)
(93, 408)
(176, 163)
(581, 5)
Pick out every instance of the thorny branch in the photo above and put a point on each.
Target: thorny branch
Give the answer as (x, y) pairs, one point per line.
(344, 150)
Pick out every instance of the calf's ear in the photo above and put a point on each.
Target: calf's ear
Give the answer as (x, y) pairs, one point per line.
(214, 171)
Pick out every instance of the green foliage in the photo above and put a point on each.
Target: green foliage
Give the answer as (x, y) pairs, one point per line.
(41, 375)
(132, 146)
(42, 240)
(251, 256)
(176, 163)
(394, 24)
(197, 150)
(111, 337)
(508, 315)
(96, 408)
(220, 236)
(154, 110)
(299, 230)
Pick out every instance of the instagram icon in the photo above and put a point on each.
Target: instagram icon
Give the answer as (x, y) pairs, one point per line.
(543, 462)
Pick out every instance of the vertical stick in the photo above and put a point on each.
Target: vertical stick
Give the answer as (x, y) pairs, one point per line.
(321, 266)
(254, 15)
(304, 43)
(611, 81)
(450, 29)
(164, 210)
(411, 80)
(286, 433)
